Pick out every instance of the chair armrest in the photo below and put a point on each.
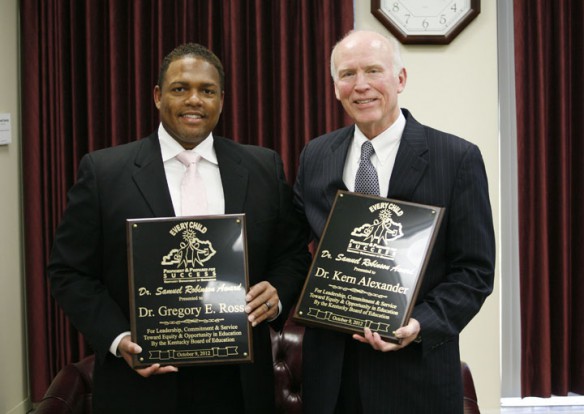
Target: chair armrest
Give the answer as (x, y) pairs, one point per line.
(70, 391)
(287, 353)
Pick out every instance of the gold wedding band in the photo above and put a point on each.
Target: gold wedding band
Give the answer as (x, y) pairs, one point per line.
(268, 305)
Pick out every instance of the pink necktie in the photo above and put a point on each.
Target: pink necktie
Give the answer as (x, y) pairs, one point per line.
(192, 188)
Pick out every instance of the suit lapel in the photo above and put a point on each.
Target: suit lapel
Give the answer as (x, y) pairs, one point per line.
(333, 164)
(411, 160)
(150, 177)
(234, 176)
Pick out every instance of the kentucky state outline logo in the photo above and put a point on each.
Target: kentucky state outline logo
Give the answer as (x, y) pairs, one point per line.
(377, 235)
(188, 260)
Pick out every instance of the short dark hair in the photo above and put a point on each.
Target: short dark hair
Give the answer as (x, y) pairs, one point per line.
(193, 50)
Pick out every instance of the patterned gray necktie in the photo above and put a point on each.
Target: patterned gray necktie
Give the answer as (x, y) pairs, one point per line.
(366, 180)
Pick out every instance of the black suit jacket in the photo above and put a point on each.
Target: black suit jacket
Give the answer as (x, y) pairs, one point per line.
(435, 168)
(88, 267)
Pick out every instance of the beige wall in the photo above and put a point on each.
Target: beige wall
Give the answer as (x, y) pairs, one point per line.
(13, 377)
(454, 88)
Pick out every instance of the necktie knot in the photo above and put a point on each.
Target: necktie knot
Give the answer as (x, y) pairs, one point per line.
(188, 158)
(367, 151)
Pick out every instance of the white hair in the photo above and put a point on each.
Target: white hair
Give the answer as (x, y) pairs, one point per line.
(396, 63)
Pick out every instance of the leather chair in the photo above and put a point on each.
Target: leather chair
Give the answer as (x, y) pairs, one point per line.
(70, 391)
(287, 354)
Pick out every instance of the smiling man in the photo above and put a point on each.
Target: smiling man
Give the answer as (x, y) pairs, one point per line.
(367, 82)
(189, 96)
(388, 153)
(88, 267)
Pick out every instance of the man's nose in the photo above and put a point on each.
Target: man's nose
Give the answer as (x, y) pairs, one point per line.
(194, 98)
(361, 81)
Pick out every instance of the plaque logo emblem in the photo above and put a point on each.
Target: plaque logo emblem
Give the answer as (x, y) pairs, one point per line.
(376, 235)
(187, 261)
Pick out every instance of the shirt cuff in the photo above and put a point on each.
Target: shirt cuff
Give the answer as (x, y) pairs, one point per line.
(279, 312)
(114, 346)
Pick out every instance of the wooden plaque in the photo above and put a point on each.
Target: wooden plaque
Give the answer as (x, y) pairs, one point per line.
(188, 280)
(369, 265)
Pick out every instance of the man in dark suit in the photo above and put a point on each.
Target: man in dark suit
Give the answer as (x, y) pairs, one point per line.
(363, 373)
(88, 267)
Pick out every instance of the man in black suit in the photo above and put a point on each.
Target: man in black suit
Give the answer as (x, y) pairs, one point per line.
(363, 373)
(88, 267)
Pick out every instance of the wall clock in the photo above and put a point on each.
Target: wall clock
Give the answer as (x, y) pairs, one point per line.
(425, 21)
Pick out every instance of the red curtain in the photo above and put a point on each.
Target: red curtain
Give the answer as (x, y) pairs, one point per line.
(88, 71)
(549, 41)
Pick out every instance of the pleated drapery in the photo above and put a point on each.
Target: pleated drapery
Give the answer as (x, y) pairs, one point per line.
(549, 46)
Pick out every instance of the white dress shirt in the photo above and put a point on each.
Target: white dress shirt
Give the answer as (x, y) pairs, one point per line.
(208, 169)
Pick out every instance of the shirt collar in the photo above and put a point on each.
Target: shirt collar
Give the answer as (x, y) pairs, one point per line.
(170, 148)
(385, 142)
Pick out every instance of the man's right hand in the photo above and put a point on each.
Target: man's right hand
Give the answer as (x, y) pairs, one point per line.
(127, 348)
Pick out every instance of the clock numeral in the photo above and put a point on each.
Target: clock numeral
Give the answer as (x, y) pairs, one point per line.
(425, 24)
(395, 7)
(443, 19)
(453, 8)
(408, 17)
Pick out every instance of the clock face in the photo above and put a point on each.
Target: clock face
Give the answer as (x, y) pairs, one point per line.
(425, 21)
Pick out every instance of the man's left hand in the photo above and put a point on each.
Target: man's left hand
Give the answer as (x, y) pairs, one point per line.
(262, 303)
(406, 333)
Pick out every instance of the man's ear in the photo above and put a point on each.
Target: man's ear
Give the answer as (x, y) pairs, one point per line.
(402, 79)
(337, 92)
(156, 94)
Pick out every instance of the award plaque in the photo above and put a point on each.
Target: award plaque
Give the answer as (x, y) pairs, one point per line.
(369, 265)
(188, 281)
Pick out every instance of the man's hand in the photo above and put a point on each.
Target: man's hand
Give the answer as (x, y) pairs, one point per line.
(262, 303)
(406, 333)
(127, 348)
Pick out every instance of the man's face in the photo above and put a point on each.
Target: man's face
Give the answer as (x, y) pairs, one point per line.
(190, 100)
(365, 83)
